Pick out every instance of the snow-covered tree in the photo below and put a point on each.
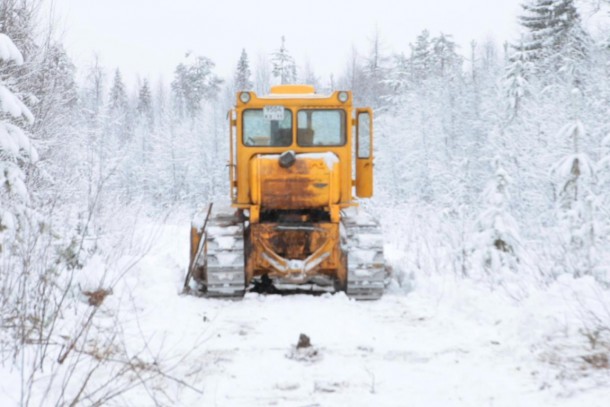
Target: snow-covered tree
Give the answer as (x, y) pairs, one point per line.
(284, 66)
(554, 37)
(17, 20)
(420, 61)
(574, 178)
(495, 245)
(515, 82)
(117, 101)
(375, 70)
(194, 81)
(243, 73)
(118, 116)
(399, 79)
(93, 90)
(16, 150)
(53, 76)
(145, 122)
(145, 105)
(46, 84)
(445, 59)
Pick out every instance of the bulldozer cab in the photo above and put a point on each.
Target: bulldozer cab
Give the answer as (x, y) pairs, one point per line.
(295, 118)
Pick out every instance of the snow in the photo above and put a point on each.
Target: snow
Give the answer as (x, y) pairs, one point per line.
(9, 103)
(225, 259)
(7, 220)
(13, 141)
(449, 342)
(8, 50)
(12, 176)
(329, 158)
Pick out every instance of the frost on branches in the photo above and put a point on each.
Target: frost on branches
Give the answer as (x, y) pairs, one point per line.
(15, 147)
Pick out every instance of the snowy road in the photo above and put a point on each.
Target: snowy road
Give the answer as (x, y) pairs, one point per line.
(394, 352)
(444, 344)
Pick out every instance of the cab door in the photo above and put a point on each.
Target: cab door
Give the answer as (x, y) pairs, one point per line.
(364, 152)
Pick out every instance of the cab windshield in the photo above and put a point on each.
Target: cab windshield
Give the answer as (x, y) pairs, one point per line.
(321, 127)
(267, 128)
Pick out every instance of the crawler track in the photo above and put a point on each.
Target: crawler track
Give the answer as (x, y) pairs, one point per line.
(365, 262)
(222, 260)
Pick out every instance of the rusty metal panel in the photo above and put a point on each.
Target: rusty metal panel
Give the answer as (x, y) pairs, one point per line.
(295, 249)
(309, 183)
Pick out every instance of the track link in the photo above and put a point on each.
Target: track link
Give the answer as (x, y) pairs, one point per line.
(365, 262)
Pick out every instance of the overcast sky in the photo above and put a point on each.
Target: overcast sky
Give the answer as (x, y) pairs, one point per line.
(150, 37)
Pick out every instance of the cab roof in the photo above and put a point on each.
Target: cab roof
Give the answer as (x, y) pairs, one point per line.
(293, 92)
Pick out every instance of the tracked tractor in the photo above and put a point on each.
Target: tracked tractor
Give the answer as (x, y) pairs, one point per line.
(298, 162)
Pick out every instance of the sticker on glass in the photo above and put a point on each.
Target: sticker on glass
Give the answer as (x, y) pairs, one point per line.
(273, 112)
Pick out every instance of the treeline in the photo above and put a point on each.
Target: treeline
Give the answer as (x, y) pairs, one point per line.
(507, 149)
(529, 117)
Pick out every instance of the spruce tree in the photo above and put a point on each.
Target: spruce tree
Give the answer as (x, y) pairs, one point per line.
(16, 150)
(243, 73)
(554, 37)
(445, 59)
(495, 247)
(574, 176)
(54, 82)
(145, 106)
(420, 61)
(118, 116)
(284, 66)
(18, 20)
(515, 81)
(117, 101)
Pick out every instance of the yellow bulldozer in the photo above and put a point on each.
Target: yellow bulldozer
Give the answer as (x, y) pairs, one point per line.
(293, 220)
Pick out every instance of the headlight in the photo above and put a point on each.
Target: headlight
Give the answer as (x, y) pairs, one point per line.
(343, 97)
(244, 97)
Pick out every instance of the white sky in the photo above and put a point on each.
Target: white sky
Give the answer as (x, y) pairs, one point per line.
(150, 37)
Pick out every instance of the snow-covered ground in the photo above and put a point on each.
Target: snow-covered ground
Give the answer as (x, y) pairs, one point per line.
(448, 342)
